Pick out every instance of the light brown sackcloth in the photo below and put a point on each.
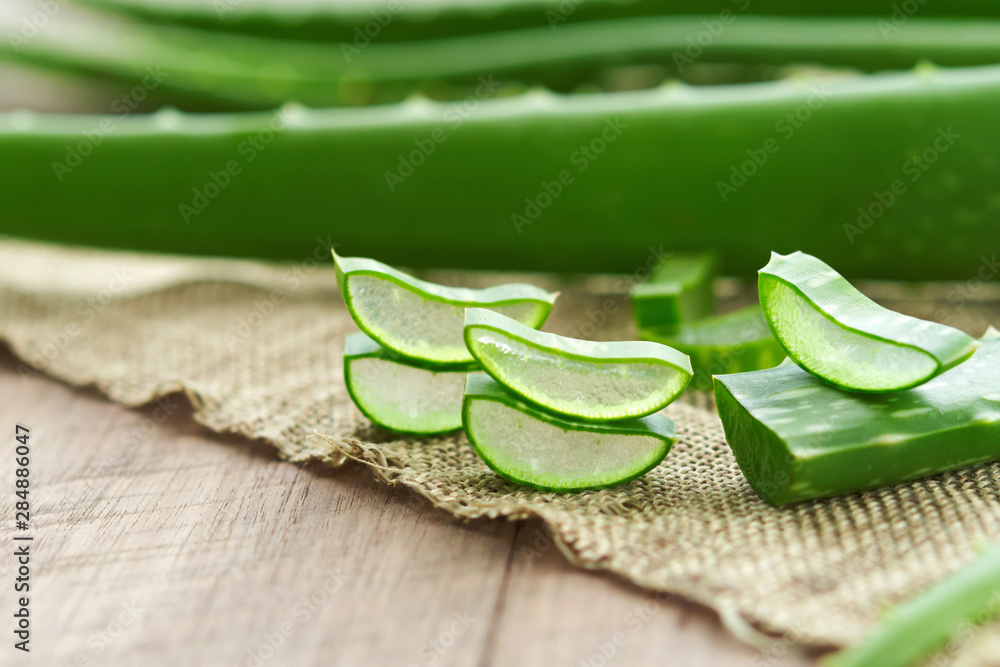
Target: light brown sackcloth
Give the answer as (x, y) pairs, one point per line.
(257, 349)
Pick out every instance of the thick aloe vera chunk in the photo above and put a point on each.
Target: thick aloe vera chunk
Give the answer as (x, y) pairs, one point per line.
(594, 381)
(538, 449)
(844, 338)
(680, 289)
(920, 626)
(731, 343)
(422, 321)
(401, 396)
(797, 438)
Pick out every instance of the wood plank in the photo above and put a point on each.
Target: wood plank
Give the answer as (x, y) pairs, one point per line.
(558, 615)
(160, 543)
(209, 547)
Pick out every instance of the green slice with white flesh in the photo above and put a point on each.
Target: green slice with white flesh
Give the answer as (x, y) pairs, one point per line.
(401, 396)
(423, 321)
(595, 381)
(731, 343)
(797, 438)
(681, 289)
(538, 449)
(844, 338)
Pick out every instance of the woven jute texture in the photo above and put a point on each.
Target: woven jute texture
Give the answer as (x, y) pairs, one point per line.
(257, 350)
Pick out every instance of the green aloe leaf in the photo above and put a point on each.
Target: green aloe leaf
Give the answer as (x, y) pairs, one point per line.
(797, 438)
(399, 396)
(535, 448)
(423, 321)
(844, 338)
(916, 628)
(731, 343)
(595, 381)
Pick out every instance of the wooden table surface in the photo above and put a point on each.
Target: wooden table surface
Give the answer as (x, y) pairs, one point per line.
(158, 542)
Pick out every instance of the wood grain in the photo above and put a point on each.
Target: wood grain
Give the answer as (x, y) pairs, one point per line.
(160, 543)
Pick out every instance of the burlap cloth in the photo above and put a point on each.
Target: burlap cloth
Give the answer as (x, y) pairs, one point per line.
(257, 349)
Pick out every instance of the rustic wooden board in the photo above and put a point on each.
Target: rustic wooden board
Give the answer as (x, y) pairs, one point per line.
(160, 543)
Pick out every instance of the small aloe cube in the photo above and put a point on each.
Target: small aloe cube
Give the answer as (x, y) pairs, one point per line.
(680, 290)
(731, 343)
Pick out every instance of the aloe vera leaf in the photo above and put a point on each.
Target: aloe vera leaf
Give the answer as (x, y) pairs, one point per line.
(291, 166)
(254, 72)
(588, 380)
(423, 321)
(184, 66)
(400, 396)
(328, 21)
(916, 628)
(844, 338)
(730, 343)
(679, 290)
(797, 438)
(544, 451)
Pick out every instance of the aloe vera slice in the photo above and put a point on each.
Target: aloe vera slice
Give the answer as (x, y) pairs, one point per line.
(595, 381)
(926, 623)
(423, 321)
(844, 338)
(679, 290)
(731, 343)
(535, 448)
(399, 396)
(797, 438)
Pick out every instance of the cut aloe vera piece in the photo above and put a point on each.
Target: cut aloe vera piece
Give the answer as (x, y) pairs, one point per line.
(595, 381)
(423, 321)
(538, 449)
(844, 338)
(926, 623)
(679, 290)
(399, 396)
(731, 343)
(797, 438)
